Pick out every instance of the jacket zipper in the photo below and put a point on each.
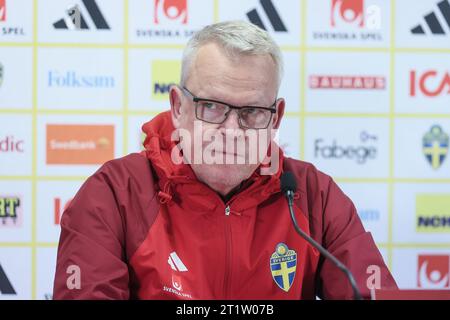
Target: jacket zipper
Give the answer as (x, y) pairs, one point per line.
(228, 256)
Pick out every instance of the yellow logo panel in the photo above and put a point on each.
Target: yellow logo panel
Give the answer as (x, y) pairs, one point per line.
(433, 213)
(164, 74)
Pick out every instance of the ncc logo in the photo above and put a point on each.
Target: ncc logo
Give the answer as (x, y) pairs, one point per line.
(170, 11)
(433, 272)
(431, 83)
(353, 12)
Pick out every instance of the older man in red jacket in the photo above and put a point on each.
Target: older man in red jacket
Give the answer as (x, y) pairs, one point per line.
(198, 219)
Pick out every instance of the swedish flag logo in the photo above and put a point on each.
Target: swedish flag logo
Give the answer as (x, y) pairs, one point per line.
(435, 146)
(283, 264)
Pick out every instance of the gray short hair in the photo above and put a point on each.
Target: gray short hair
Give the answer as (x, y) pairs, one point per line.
(237, 38)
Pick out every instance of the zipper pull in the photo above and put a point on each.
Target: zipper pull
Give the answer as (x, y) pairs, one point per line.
(227, 211)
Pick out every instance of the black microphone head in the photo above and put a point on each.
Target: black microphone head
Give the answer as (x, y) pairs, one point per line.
(287, 182)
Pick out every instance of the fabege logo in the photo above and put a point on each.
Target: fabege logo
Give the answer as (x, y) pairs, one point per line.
(2, 10)
(170, 11)
(335, 151)
(79, 144)
(347, 11)
(429, 83)
(433, 272)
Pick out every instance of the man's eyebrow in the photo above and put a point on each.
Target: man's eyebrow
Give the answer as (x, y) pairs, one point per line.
(253, 104)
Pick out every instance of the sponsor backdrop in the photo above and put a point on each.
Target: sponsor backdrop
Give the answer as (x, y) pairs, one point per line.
(367, 85)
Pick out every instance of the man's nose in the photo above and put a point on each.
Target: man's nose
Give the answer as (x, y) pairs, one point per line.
(232, 120)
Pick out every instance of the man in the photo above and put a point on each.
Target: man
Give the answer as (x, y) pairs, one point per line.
(196, 217)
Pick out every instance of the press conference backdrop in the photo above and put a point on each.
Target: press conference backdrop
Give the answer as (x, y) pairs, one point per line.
(367, 85)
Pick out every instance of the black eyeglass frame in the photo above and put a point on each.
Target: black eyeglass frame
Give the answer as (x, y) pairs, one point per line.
(238, 108)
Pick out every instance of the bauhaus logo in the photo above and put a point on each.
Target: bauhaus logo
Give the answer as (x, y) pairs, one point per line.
(75, 19)
(2, 10)
(433, 213)
(272, 15)
(164, 74)
(435, 21)
(79, 144)
(353, 82)
(360, 154)
(430, 83)
(435, 145)
(74, 79)
(170, 11)
(433, 271)
(5, 284)
(10, 211)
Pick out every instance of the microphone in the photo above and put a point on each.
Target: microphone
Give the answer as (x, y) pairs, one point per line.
(288, 187)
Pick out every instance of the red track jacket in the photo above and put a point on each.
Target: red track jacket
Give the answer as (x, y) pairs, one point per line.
(142, 227)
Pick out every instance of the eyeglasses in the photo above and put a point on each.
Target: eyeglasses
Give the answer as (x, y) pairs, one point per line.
(213, 111)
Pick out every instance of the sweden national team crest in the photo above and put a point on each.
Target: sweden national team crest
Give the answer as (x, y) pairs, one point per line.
(435, 146)
(283, 264)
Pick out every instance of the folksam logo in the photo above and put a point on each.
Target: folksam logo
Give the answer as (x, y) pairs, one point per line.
(433, 213)
(73, 79)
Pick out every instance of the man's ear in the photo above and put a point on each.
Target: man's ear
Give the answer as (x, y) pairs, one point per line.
(280, 105)
(176, 96)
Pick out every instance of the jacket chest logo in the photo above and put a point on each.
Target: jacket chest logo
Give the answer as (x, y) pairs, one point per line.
(283, 265)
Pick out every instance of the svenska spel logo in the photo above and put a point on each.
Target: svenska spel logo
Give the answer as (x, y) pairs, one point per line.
(433, 271)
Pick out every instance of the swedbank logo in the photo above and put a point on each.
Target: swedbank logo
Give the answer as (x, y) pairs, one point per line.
(79, 144)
